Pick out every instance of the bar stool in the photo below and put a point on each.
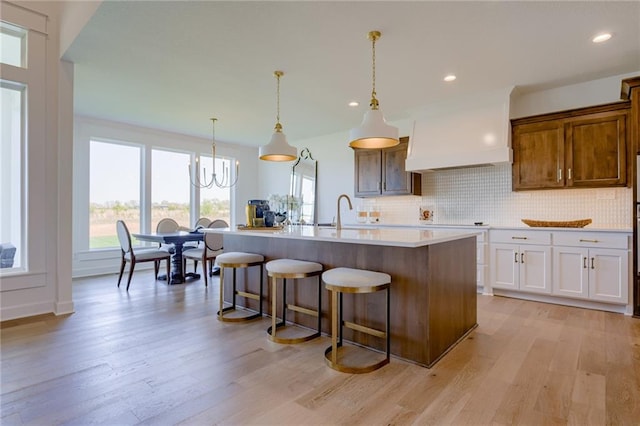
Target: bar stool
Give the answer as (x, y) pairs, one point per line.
(237, 260)
(347, 280)
(292, 269)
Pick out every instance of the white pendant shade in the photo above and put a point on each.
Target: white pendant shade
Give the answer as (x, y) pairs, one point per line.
(374, 132)
(278, 149)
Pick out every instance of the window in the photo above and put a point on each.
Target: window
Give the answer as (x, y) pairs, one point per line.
(170, 188)
(12, 45)
(215, 201)
(11, 168)
(114, 191)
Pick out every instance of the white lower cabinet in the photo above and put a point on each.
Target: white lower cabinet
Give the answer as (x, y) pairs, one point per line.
(585, 272)
(521, 267)
(520, 260)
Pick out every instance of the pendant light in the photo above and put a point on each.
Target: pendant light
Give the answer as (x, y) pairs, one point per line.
(278, 149)
(374, 132)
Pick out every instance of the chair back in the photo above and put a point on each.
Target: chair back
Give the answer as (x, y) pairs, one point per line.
(203, 222)
(213, 241)
(166, 226)
(123, 236)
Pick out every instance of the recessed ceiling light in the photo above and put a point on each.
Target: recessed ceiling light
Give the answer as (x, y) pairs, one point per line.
(601, 38)
(354, 104)
(450, 77)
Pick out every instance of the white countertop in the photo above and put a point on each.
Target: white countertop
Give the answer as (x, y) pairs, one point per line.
(487, 227)
(397, 237)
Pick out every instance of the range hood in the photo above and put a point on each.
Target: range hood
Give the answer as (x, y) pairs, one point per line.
(468, 132)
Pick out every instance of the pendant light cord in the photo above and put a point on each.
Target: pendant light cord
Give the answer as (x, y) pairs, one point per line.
(373, 36)
(278, 74)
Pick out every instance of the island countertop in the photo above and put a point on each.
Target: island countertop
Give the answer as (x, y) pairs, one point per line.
(397, 237)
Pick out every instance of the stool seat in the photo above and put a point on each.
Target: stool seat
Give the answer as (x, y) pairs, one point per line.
(292, 269)
(292, 266)
(238, 258)
(355, 281)
(349, 280)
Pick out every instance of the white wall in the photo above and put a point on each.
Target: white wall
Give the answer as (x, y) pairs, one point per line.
(47, 286)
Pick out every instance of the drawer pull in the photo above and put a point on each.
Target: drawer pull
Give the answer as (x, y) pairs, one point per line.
(518, 238)
(588, 241)
(584, 262)
(592, 267)
(515, 257)
(521, 257)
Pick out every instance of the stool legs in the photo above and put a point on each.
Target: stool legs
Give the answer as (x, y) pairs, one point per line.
(235, 293)
(337, 323)
(275, 325)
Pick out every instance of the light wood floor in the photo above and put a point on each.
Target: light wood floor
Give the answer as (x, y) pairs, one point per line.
(157, 355)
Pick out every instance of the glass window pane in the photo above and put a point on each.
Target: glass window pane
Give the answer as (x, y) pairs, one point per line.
(170, 191)
(114, 191)
(12, 45)
(11, 183)
(215, 202)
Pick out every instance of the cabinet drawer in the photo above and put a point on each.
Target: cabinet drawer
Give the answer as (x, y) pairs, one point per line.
(591, 239)
(520, 237)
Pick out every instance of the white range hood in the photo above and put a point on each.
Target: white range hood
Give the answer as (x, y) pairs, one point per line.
(468, 132)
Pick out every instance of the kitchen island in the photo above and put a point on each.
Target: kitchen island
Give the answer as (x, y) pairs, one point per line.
(433, 287)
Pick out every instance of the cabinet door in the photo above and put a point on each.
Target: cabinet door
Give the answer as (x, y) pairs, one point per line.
(596, 150)
(570, 272)
(538, 155)
(395, 179)
(535, 268)
(504, 266)
(608, 275)
(368, 172)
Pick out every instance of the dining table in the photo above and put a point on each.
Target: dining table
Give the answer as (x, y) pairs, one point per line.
(178, 239)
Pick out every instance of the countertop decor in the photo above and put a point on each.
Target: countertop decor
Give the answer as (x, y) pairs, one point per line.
(581, 223)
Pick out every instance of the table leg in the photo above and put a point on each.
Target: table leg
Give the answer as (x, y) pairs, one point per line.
(177, 274)
(176, 265)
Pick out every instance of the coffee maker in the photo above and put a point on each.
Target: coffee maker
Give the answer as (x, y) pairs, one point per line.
(255, 212)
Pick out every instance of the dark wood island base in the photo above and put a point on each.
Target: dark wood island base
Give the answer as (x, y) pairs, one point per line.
(433, 289)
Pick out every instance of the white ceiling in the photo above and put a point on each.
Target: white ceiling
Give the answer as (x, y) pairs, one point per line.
(172, 65)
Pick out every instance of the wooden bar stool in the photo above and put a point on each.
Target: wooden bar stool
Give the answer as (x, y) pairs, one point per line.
(292, 269)
(350, 359)
(237, 260)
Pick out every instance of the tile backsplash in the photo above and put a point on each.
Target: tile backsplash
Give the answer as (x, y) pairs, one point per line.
(483, 194)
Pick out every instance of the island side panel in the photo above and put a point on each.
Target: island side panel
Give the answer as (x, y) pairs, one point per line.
(410, 298)
(452, 294)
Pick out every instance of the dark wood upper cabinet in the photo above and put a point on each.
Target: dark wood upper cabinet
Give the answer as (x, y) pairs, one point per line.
(381, 172)
(585, 147)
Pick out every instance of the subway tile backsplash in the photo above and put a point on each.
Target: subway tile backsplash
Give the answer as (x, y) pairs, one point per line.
(483, 194)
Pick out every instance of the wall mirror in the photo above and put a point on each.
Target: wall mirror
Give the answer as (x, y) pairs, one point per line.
(304, 177)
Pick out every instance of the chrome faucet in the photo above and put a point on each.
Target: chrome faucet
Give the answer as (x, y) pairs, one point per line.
(339, 222)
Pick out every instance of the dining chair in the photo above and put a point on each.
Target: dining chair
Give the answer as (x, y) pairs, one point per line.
(166, 226)
(212, 247)
(203, 222)
(138, 256)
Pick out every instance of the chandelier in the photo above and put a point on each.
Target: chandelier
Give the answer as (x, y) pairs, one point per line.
(225, 180)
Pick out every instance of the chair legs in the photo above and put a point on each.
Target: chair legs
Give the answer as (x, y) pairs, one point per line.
(156, 268)
(121, 271)
(133, 265)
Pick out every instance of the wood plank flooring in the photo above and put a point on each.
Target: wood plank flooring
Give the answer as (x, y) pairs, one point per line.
(157, 356)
